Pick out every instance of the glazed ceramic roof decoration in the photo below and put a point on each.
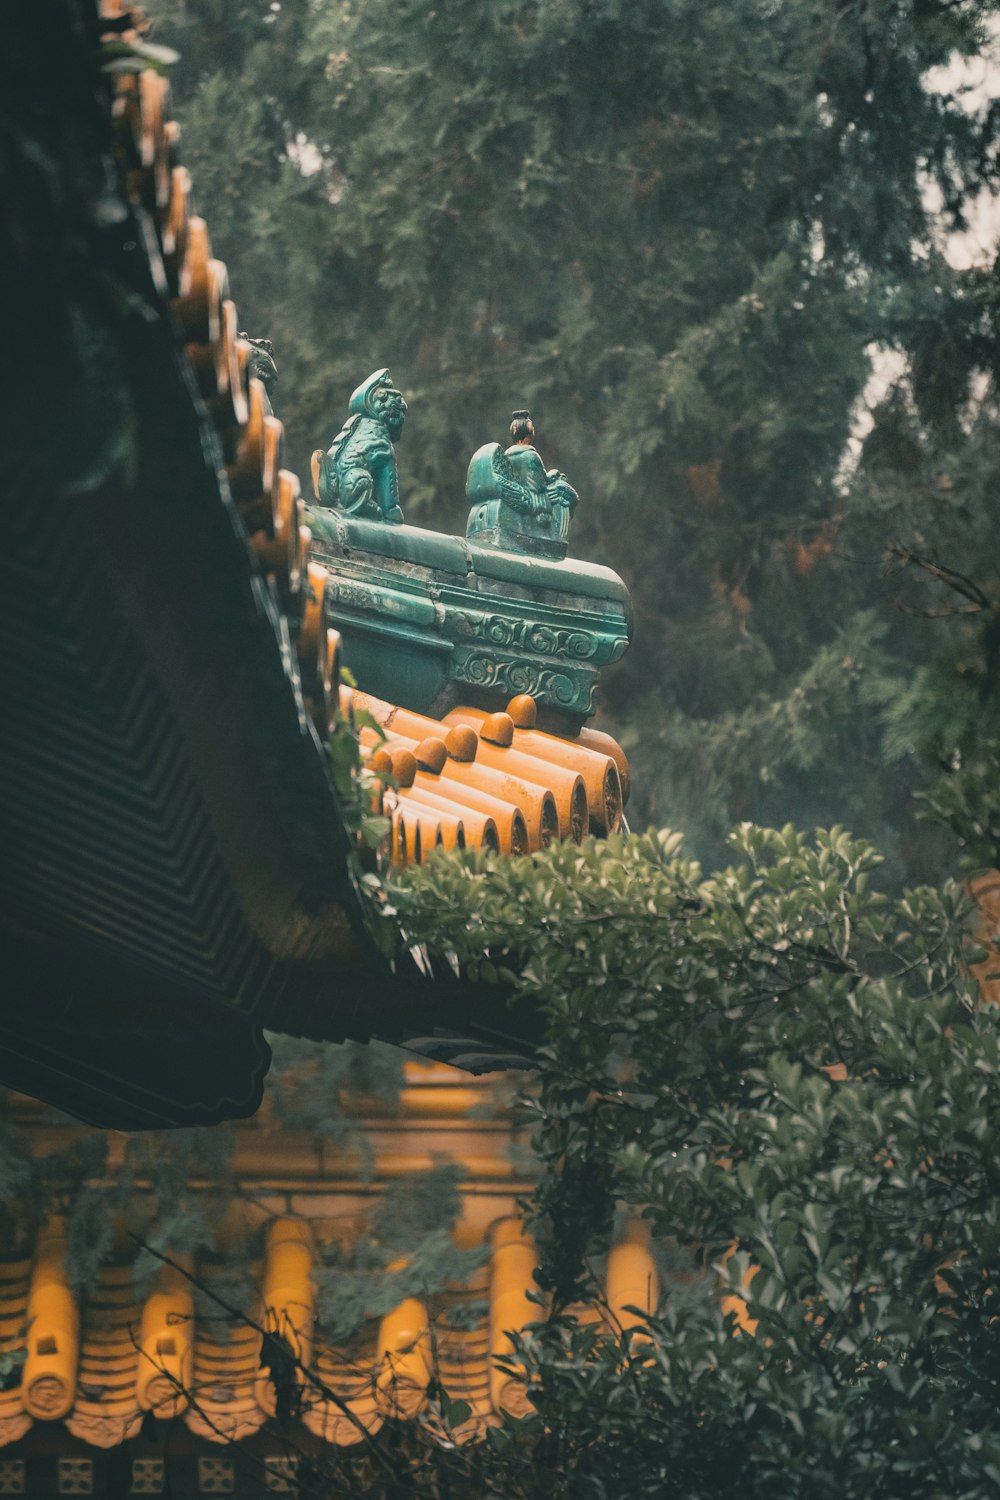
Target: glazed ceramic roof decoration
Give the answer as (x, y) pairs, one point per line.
(357, 475)
(434, 621)
(261, 365)
(517, 504)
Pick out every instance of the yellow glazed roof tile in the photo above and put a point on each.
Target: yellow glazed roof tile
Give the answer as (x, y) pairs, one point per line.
(507, 786)
(120, 1358)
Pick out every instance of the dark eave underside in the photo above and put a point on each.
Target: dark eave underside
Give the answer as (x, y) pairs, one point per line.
(173, 861)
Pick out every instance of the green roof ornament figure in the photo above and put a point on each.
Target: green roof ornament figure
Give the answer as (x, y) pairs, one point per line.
(261, 365)
(357, 475)
(518, 504)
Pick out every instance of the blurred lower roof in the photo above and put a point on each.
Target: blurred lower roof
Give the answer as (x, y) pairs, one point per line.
(175, 1384)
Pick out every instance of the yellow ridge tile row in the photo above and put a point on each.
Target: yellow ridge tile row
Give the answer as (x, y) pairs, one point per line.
(483, 780)
(101, 1368)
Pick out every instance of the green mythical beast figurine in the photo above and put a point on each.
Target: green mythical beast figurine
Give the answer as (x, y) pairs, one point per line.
(517, 503)
(261, 366)
(358, 474)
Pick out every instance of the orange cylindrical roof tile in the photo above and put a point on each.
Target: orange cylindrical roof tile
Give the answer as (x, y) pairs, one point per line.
(48, 1382)
(166, 1345)
(437, 826)
(391, 717)
(406, 839)
(558, 756)
(632, 1281)
(355, 1416)
(480, 828)
(489, 821)
(736, 1302)
(565, 783)
(380, 762)
(405, 1359)
(15, 1277)
(431, 755)
(289, 1299)
(106, 1412)
(504, 743)
(498, 730)
(604, 744)
(535, 802)
(523, 710)
(403, 764)
(427, 823)
(462, 743)
(508, 818)
(985, 890)
(512, 1267)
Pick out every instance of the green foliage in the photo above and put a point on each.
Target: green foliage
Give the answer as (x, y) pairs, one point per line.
(968, 800)
(407, 1251)
(310, 1083)
(32, 1189)
(354, 783)
(696, 1027)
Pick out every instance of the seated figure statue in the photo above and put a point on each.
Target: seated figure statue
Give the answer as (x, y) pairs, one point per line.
(358, 472)
(516, 502)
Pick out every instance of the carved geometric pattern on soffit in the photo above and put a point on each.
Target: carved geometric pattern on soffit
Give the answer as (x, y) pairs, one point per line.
(279, 1475)
(216, 1476)
(148, 1476)
(76, 1476)
(12, 1476)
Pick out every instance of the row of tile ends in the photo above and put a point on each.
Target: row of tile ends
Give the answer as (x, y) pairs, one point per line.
(101, 1369)
(485, 780)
